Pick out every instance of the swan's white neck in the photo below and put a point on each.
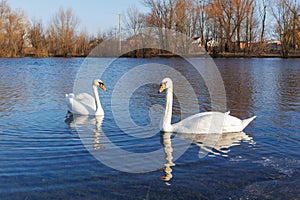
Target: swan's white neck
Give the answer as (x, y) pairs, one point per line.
(99, 109)
(167, 127)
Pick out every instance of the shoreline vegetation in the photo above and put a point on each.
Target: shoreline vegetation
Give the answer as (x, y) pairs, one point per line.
(193, 28)
(171, 55)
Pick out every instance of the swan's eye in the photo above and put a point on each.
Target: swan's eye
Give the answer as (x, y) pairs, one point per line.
(162, 85)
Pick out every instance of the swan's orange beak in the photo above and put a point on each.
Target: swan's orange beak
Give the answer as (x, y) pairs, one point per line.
(101, 85)
(162, 87)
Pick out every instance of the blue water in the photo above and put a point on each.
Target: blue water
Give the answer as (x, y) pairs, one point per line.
(46, 155)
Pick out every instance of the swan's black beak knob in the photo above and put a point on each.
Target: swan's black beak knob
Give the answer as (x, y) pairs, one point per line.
(162, 87)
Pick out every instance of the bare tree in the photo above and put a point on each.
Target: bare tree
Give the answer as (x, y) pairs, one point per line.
(263, 21)
(186, 21)
(230, 14)
(243, 11)
(286, 15)
(134, 20)
(13, 29)
(161, 16)
(82, 44)
(38, 39)
(202, 26)
(250, 28)
(294, 8)
(62, 32)
(180, 15)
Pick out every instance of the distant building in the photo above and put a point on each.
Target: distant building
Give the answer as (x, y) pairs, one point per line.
(273, 46)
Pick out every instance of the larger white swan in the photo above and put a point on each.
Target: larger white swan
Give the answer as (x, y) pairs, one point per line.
(84, 103)
(206, 122)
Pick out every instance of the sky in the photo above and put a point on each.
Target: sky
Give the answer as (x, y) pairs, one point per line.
(94, 15)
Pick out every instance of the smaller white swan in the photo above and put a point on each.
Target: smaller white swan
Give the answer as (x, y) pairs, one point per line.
(206, 122)
(84, 103)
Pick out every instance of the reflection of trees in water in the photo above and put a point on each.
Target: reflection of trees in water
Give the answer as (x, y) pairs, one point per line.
(239, 85)
(9, 98)
(288, 89)
(287, 94)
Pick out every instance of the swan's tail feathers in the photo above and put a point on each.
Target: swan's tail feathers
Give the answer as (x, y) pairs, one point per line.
(69, 101)
(246, 122)
(227, 113)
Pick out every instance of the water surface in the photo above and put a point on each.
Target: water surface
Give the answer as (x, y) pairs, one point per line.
(44, 154)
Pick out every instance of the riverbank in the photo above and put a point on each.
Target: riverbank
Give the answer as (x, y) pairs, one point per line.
(227, 55)
(170, 55)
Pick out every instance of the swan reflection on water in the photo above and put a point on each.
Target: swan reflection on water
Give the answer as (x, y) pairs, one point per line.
(86, 124)
(216, 144)
(210, 144)
(168, 150)
(90, 131)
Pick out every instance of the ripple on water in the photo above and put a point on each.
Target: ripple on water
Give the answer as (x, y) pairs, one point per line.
(40, 153)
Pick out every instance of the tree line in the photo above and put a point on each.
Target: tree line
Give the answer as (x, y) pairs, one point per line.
(231, 26)
(217, 26)
(21, 37)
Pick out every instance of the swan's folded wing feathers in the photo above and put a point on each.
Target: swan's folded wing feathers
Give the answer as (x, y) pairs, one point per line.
(82, 103)
(69, 101)
(208, 122)
(199, 123)
(86, 99)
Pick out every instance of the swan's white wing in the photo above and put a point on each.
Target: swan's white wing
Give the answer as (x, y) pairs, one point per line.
(82, 103)
(211, 122)
(207, 122)
(87, 100)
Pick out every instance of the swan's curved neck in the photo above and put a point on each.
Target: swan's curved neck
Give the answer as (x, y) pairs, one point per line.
(168, 112)
(99, 109)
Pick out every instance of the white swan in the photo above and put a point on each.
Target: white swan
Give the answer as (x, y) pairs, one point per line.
(85, 104)
(206, 122)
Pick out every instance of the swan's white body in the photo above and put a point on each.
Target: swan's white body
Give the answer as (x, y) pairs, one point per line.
(84, 103)
(207, 122)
